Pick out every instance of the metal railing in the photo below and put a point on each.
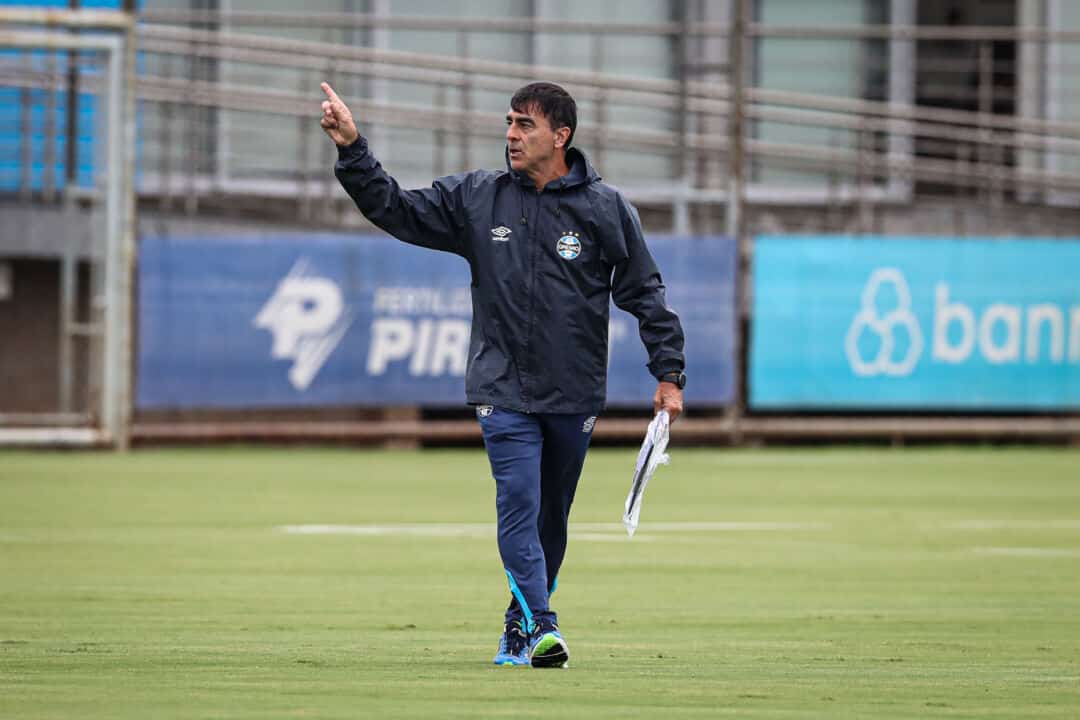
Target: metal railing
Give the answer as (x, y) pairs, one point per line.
(980, 147)
(860, 149)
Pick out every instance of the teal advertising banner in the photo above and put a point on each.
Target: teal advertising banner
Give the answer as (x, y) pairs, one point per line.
(915, 323)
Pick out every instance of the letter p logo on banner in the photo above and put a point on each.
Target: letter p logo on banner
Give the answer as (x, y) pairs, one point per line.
(308, 318)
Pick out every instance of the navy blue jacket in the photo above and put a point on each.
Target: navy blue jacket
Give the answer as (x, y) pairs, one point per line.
(544, 265)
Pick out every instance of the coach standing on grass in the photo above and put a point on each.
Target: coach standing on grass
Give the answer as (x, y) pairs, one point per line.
(548, 246)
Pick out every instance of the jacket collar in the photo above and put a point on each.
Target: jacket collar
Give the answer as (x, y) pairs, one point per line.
(581, 172)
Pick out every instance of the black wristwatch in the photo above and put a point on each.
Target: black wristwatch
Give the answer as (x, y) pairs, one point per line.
(677, 377)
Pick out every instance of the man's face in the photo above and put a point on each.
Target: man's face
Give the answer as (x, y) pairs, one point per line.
(531, 141)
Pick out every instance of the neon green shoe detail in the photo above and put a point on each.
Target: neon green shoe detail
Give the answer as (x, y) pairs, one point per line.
(548, 649)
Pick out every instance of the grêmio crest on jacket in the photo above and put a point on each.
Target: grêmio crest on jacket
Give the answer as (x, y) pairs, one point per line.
(569, 245)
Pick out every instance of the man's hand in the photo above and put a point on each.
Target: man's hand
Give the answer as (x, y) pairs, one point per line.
(668, 397)
(337, 121)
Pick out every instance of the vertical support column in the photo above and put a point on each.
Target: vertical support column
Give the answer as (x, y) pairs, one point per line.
(1031, 91)
(110, 300)
(984, 152)
(736, 117)
(865, 152)
(26, 133)
(531, 12)
(166, 112)
(129, 246)
(438, 135)
(303, 174)
(466, 102)
(192, 115)
(902, 14)
(538, 46)
(741, 16)
(48, 170)
(327, 154)
(380, 87)
(69, 268)
(712, 51)
(1054, 108)
(71, 154)
(596, 42)
(864, 176)
(119, 254)
(218, 155)
(361, 88)
(681, 206)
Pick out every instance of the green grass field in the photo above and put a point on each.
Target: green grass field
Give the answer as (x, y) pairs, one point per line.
(848, 583)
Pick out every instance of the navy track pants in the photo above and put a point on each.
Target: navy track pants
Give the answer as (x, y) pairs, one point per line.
(536, 460)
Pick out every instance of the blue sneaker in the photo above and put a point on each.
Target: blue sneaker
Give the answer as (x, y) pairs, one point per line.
(547, 647)
(513, 645)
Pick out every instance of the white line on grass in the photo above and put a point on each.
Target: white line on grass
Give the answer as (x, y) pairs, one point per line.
(1014, 525)
(608, 537)
(691, 526)
(600, 532)
(427, 530)
(1028, 551)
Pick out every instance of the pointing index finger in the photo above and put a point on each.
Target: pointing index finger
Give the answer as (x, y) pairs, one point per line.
(330, 92)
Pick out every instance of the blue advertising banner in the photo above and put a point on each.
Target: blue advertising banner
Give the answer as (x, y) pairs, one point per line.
(901, 323)
(322, 320)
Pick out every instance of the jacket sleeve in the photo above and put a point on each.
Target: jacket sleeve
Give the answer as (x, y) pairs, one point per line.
(638, 289)
(431, 217)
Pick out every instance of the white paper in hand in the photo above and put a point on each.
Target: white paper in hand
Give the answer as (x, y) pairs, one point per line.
(650, 457)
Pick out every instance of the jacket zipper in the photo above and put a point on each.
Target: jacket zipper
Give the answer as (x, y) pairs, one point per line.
(527, 395)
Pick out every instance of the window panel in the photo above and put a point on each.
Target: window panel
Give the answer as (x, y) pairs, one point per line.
(1067, 71)
(821, 67)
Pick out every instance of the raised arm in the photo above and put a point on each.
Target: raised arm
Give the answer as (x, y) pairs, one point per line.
(431, 217)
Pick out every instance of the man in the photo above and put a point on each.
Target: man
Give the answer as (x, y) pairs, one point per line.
(548, 246)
